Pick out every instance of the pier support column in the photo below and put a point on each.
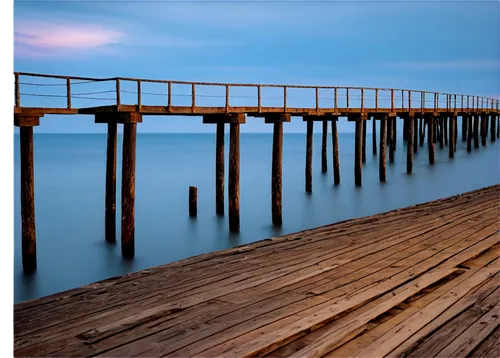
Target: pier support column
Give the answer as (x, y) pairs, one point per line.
(234, 120)
(219, 169)
(422, 130)
(445, 129)
(383, 132)
(335, 147)
(451, 147)
(276, 193)
(324, 157)
(468, 119)
(358, 147)
(440, 120)
(405, 128)
(409, 148)
(309, 151)
(374, 136)
(394, 133)
(28, 231)
(484, 127)
(363, 152)
(415, 135)
(128, 189)
(129, 120)
(391, 137)
(464, 128)
(430, 139)
(110, 199)
(476, 131)
(492, 127)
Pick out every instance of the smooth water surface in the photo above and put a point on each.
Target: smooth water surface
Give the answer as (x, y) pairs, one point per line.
(69, 198)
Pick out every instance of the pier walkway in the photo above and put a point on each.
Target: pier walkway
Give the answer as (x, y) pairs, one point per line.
(419, 281)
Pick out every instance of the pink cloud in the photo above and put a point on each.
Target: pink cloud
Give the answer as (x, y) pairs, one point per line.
(38, 38)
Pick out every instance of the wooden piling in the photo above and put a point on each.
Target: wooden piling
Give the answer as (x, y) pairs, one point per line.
(469, 133)
(430, 139)
(381, 165)
(357, 152)
(415, 134)
(219, 169)
(110, 198)
(128, 189)
(309, 150)
(451, 147)
(405, 129)
(277, 173)
(445, 129)
(193, 201)
(409, 147)
(464, 128)
(392, 138)
(492, 127)
(422, 130)
(27, 199)
(234, 177)
(455, 130)
(324, 157)
(335, 145)
(498, 127)
(435, 131)
(374, 136)
(484, 126)
(441, 132)
(476, 131)
(389, 132)
(363, 151)
(394, 133)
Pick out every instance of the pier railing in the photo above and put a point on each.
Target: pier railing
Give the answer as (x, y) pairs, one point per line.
(133, 91)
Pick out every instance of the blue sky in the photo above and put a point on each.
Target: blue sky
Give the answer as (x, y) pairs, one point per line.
(447, 46)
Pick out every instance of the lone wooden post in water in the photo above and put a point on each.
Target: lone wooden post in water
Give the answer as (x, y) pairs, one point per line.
(409, 149)
(324, 157)
(219, 169)
(28, 243)
(383, 133)
(110, 200)
(358, 147)
(193, 201)
(276, 192)
(335, 147)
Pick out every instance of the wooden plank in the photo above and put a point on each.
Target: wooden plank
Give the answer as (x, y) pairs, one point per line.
(452, 330)
(489, 343)
(402, 332)
(338, 335)
(415, 305)
(464, 344)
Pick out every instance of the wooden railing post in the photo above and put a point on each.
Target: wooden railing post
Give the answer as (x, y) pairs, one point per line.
(169, 96)
(227, 98)
(18, 94)
(193, 97)
(258, 99)
(68, 93)
(139, 99)
(118, 100)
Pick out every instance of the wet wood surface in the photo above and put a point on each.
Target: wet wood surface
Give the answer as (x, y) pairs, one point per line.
(410, 281)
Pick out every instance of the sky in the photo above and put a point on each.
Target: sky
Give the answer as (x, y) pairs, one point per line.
(446, 46)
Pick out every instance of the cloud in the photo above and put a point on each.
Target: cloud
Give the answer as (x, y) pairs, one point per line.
(41, 38)
(447, 65)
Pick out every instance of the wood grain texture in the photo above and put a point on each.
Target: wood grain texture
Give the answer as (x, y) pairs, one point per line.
(234, 177)
(110, 199)
(128, 189)
(276, 201)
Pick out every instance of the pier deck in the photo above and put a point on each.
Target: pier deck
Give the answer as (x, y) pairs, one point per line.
(420, 281)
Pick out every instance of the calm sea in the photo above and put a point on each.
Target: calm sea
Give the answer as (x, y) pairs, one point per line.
(69, 198)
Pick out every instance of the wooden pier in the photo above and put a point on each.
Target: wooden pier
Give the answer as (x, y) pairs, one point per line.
(437, 111)
(419, 281)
